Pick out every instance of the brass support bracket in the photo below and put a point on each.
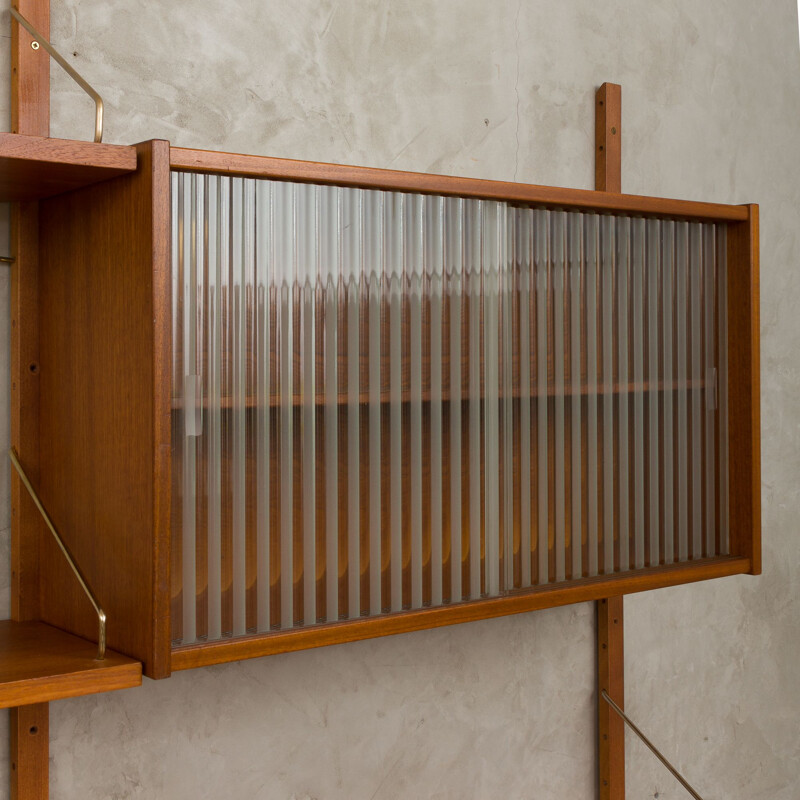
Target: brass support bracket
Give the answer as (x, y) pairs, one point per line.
(683, 782)
(67, 67)
(101, 616)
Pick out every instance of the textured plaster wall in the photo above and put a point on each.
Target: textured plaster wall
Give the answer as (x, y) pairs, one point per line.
(504, 708)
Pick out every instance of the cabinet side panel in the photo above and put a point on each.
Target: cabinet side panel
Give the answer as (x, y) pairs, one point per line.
(154, 161)
(102, 292)
(744, 388)
(26, 524)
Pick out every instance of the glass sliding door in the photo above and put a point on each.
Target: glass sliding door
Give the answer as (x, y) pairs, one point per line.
(385, 402)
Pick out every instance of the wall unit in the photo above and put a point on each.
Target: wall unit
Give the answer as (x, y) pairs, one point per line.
(196, 446)
(150, 468)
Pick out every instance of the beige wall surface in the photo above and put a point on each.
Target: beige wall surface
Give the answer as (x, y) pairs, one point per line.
(503, 708)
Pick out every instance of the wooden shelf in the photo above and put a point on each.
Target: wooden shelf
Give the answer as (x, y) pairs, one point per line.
(39, 663)
(32, 167)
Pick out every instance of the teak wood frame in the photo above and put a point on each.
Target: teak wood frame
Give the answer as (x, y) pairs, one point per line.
(123, 400)
(543, 596)
(105, 246)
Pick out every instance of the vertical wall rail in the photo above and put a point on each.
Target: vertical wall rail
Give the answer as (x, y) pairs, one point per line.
(30, 114)
(610, 678)
(30, 757)
(610, 643)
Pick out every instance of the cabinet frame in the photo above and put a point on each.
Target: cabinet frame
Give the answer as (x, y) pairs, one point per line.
(105, 404)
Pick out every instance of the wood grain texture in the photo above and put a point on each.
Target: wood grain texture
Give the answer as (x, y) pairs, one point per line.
(608, 138)
(39, 663)
(26, 523)
(154, 158)
(30, 114)
(610, 639)
(744, 388)
(391, 180)
(30, 71)
(611, 678)
(548, 596)
(104, 414)
(30, 752)
(32, 167)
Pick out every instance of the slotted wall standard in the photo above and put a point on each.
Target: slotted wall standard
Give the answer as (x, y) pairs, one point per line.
(388, 401)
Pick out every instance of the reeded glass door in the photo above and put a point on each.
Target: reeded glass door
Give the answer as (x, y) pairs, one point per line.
(387, 401)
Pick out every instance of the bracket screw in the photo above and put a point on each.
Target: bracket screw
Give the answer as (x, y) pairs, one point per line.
(34, 45)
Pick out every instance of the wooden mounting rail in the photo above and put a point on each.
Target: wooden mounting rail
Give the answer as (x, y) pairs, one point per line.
(39, 39)
(610, 624)
(29, 745)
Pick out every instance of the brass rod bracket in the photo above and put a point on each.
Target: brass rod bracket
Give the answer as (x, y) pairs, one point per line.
(683, 782)
(38, 39)
(101, 616)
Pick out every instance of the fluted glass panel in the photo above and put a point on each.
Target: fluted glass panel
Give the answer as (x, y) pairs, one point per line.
(386, 402)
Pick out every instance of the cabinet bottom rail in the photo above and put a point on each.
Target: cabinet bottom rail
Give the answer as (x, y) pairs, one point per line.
(220, 651)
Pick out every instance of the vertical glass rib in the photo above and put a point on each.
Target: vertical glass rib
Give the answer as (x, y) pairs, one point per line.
(681, 380)
(608, 273)
(652, 291)
(187, 200)
(351, 269)
(558, 267)
(413, 270)
(178, 398)
(306, 233)
(591, 233)
(226, 472)
(472, 257)
(524, 257)
(507, 318)
(214, 412)
(262, 358)
(201, 398)
(637, 288)
(434, 269)
(241, 251)
(393, 238)
(667, 310)
(722, 382)
(373, 251)
(283, 263)
(576, 491)
(622, 268)
(541, 261)
(454, 255)
(710, 383)
(329, 245)
(491, 398)
(695, 289)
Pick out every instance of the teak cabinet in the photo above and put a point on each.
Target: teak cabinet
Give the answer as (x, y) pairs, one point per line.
(286, 404)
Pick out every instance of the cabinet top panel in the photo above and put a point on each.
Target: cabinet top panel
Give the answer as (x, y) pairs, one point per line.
(207, 161)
